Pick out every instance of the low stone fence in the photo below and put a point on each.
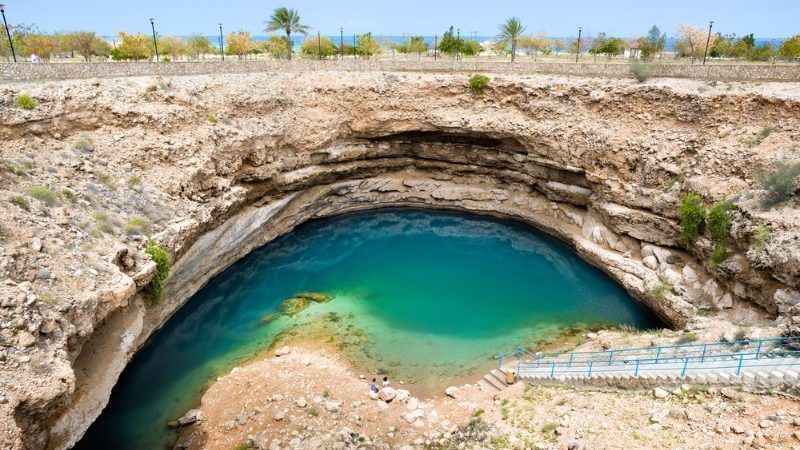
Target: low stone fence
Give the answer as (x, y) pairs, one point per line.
(728, 72)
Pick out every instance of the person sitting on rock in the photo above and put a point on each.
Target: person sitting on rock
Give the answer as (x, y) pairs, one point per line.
(386, 382)
(373, 386)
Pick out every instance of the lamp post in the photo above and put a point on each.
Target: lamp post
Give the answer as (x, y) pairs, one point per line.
(355, 47)
(578, 51)
(8, 33)
(708, 41)
(458, 44)
(155, 42)
(341, 42)
(319, 46)
(435, 46)
(221, 43)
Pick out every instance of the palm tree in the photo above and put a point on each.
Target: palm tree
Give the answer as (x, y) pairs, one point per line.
(510, 32)
(287, 20)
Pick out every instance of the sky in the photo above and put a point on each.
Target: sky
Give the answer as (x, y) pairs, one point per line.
(624, 18)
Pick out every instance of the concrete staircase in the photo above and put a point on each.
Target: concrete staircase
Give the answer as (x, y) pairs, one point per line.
(493, 382)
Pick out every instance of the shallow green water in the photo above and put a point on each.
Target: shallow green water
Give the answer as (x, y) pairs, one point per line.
(425, 296)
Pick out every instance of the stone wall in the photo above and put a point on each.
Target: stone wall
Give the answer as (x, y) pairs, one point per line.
(741, 72)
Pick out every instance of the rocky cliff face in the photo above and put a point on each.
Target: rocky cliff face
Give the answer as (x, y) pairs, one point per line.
(215, 166)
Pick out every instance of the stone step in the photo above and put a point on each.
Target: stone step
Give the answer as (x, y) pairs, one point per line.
(486, 386)
(494, 382)
(498, 375)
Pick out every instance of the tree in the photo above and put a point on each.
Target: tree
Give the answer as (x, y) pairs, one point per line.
(692, 41)
(86, 44)
(197, 46)
(536, 43)
(18, 34)
(609, 46)
(314, 47)
(510, 32)
(450, 44)
(790, 48)
(133, 47)
(414, 44)
(287, 20)
(559, 45)
(275, 46)
(470, 47)
(239, 43)
(367, 45)
(652, 44)
(41, 44)
(173, 46)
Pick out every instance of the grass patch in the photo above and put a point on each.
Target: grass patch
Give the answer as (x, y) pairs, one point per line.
(69, 195)
(478, 412)
(134, 181)
(478, 83)
(500, 442)
(313, 412)
(106, 180)
(48, 298)
(103, 223)
(659, 291)
(326, 393)
(549, 430)
(213, 118)
(137, 225)
(44, 195)
(761, 236)
(686, 338)
(20, 201)
(25, 101)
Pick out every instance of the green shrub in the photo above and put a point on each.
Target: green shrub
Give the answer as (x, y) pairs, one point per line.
(69, 195)
(478, 83)
(693, 215)
(106, 180)
(719, 225)
(659, 291)
(686, 338)
(84, 143)
(155, 290)
(780, 183)
(25, 101)
(20, 201)
(103, 223)
(313, 412)
(642, 71)
(213, 118)
(761, 237)
(44, 195)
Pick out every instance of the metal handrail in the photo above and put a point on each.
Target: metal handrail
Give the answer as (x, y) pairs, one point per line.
(740, 353)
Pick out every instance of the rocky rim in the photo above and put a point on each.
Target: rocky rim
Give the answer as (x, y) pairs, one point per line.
(215, 166)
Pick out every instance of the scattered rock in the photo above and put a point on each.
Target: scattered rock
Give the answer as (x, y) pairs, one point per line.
(387, 394)
(280, 415)
(301, 402)
(452, 392)
(660, 393)
(191, 416)
(283, 351)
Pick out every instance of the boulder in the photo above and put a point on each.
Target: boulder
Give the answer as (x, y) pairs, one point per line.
(452, 392)
(387, 394)
(402, 395)
(280, 415)
(301, 402)
(689, 275)
(283, 351)
(650, 262)
(191, 416)
(374, 395)
(414, 415)
(660, 393)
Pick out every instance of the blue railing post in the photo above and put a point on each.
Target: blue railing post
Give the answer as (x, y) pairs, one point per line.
(703, 356)
(552, 369)
(538, 359)
(590, 368)
(636, 373)
(658, 354)
(739, 368)
(758, 349)
(685, 364)
(610, 357)
(570, 359)
(500, 362)
(519, 361)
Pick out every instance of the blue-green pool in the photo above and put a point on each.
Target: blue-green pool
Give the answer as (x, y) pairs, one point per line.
(423, 295)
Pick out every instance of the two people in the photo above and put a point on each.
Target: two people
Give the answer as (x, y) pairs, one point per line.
(374, 385)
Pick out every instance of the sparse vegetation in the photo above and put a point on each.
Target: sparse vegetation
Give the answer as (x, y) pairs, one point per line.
(686, 338)
(780, 183)
(103, 223)
(693, 215)
(499, 442)
(134, 181)
(44, 195)
(478, 412)
(25, 101)
(659, 291)
(549, 430)
(84, 143)
(761, 237)
(137, 225)
(20, 201)
(642, 71)
(155, 290)
(759, 137)
(213, 118)
(106, 180)
(69, 195)
(313, 412)
(478, 83)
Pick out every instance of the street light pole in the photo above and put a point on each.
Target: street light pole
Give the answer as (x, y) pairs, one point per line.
(578, 51)
(221, 43)
(458, 44)
(319, 46)
(341, 42)
(155, 42)
(355, 47)
(8, 33)
(435, 46)
(708, 41)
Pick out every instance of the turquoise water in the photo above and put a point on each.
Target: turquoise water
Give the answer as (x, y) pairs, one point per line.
(424, 296)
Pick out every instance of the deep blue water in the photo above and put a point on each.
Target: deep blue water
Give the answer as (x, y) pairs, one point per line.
(434, 295)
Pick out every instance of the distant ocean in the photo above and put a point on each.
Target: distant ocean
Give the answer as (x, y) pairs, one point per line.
(348, 39)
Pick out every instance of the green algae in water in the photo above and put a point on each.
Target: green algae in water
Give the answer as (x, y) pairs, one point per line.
(424, 296)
